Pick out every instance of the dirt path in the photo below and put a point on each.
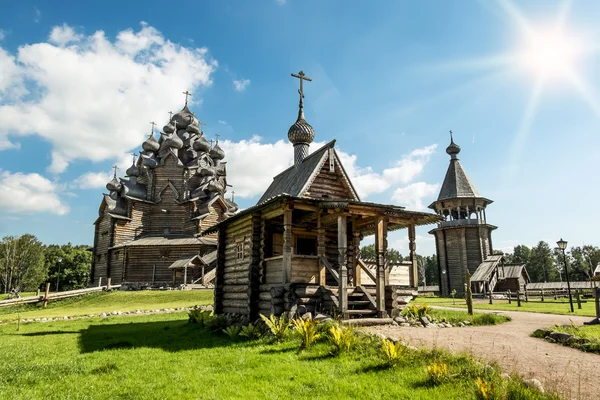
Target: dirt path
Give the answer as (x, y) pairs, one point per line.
(573, 373)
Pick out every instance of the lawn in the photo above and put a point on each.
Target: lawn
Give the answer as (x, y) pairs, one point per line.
(4, 296)
(550, 306)
(95, 303)
(589, 332)
(162, 356)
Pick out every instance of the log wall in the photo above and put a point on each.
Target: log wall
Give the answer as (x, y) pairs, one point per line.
(235, 271)
(329, 185)
(101, 254)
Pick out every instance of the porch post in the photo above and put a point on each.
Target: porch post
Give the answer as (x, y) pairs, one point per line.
(321, 251)
(287, 245)
(412, 246)
(381, 255)
(357, 270)
(343, 264)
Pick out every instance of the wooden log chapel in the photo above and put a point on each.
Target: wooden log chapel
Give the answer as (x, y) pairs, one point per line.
(300, 244)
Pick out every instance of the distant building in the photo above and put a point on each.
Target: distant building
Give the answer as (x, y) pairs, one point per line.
(464, 238)
(597, 270)
(147, 231)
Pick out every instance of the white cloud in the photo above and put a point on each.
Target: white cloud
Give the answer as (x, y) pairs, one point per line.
(280, 2)
(409, 166)
(241, 85)
(63, 35)
(412, 196)
(37, 15)
(92, 180)
(29, 193)
(2, 34)
(96, 95)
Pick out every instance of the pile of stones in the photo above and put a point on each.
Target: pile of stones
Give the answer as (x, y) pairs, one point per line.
(427, 322)
(566, 339)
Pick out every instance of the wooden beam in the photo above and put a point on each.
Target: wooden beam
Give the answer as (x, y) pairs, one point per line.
(330, 219)
(356, 258)
(287, 246)
(343, 265)
(412, 247)
(381, 253)
(321, 251)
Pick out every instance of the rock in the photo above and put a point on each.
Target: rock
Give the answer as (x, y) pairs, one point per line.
(541, 333)
(44, 320)
(560, 336)
(534, 384)
(424, 321)
(461, 325)
(394, 323)
(466, 322)
(576, 341)
(65, 317)
(381, 336)
(412, 348)
(505, 376)
(405, 324)
(322, 317)
(306, 316)
(488, 369)
(103, 315)
(431, 325)
(114, 313)
(37, 320)
(138, 312)
(399, 320)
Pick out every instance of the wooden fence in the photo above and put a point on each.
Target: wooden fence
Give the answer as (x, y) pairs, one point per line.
(48, 296)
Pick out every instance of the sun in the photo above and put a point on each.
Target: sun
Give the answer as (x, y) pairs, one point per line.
(550, 53)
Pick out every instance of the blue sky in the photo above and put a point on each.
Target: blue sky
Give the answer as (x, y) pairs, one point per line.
(389, 81)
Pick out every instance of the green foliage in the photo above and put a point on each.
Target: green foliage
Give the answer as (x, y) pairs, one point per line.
(342, 338)
(369, 253)
(216, 323)
(306, 330)
(392, 352)
(416, 311)
(233, 331)
(489, 319)
(485, 390)
(277, 326)
(73, 270)
(21, 263)
(251, 331)
(438, 373)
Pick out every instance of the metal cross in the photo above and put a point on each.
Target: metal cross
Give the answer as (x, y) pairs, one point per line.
(115, 173)
(201, 125)
(134, 157)
(302, 77)
(153, 125)
(452, 140)
(186, 96)
(170, 115)
(232, 195)
(211, 142)
(217, 136)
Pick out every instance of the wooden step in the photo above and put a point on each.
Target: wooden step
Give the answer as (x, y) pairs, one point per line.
(359, 303)
(362, 312)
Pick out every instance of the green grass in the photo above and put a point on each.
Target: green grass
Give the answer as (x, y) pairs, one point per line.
(4, 296)
(550, 306)
(476, 319)
(95, 303)
(163, 357)
(589, 332)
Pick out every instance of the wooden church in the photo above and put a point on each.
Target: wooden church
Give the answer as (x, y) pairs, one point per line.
(299, 246)
(147, 231)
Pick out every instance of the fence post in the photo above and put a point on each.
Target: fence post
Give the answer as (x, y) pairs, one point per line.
(107, 284)
(508, 296)
(542, 294)
(37, 294)
(526, 297)
(519, 298)
(469, 293)
(46, 294)
(100, 282)
(554, 291)
(578, 294)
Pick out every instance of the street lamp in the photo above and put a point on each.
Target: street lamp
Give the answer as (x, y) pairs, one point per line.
(58, 274)
(562, 244)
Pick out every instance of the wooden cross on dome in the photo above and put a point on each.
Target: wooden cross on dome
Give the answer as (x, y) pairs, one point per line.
(170, 115)
(153, 125)
(115, 173)
(201, 126)
(217, 136)
(300, 75)
(186, 96)
(134, 157)
(232, 195)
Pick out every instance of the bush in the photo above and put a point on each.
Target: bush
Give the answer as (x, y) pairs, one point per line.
(306, 329)
(485, 390)
(415, 311)
(342, 338)
(233, 331)
(251, 331)
(438, 373)
(216, 323)
(489, 319)
(199, 316)
(392, 352)
(277, 326)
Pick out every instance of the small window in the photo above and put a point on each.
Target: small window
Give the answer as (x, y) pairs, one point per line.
(240, 250)
(306, 246)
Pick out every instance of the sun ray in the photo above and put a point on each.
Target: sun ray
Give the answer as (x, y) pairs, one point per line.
(517, 16)
(524, 130)
(486, 62)
(585, 91)
(563, 13)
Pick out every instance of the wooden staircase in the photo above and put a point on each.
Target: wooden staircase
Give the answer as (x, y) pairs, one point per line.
(361, 302)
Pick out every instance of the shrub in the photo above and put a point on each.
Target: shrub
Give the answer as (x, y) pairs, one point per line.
(216, 323)
(199, 316)
(251, 331)
(233, 331)
(489, 319)
(415, 311)
(438, 373)
(306, 329)
(342, 338)
(277, 326)
(484, 390)
(392, 352)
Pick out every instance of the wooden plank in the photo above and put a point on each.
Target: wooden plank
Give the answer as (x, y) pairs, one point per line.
(343, 265)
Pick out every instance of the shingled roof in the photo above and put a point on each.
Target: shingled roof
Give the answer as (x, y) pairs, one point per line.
(457, 183)
(293, 181)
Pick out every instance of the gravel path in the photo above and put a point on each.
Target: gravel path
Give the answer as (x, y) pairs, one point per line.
(573, 373)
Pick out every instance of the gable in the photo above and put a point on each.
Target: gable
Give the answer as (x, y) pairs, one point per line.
(330, 182)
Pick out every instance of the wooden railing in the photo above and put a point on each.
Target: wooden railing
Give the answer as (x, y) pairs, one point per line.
(54, 296)
(330, 268)
(367, 270)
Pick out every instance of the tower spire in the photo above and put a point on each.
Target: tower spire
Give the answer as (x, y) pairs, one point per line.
(302, 77)
(301, 134)
(186, 97)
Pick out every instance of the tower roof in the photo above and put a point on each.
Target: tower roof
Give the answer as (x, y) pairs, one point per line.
(456, 183)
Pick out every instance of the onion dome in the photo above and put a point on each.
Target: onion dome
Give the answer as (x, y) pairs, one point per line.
(201, 144)
(114, 185)
(133, 171)
(150, 144)
(216, 186)
(169, 128)
(301, 132)
(149, 161)
(193, 129)
(453, 149)
(217, 153)
(173, 141)
(184, 118)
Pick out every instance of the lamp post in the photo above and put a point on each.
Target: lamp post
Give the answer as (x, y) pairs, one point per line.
(58, 274)
(562, 244)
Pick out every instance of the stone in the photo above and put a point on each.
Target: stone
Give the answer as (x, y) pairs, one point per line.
(560, 336)
(306, 316)
(381, 336)
(461, 325)
(405, 324)
(534, 384)
(505, 376)
(44, 320)
(412, 348)
(65, 317)
(541, 333)
(138, 312)
(424, 321)
(114, 313)
(399, 320)
(488, 369)
(322, 317)
(466, 323)
(394, 323)
(103, 315)
(431, 325)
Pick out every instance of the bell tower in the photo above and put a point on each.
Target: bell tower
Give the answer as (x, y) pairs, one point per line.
(464, 238)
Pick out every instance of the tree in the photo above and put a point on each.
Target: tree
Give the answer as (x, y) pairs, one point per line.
(368, 253)
(583, 261)
(542, 265)
(21, 263)
(74, 268)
